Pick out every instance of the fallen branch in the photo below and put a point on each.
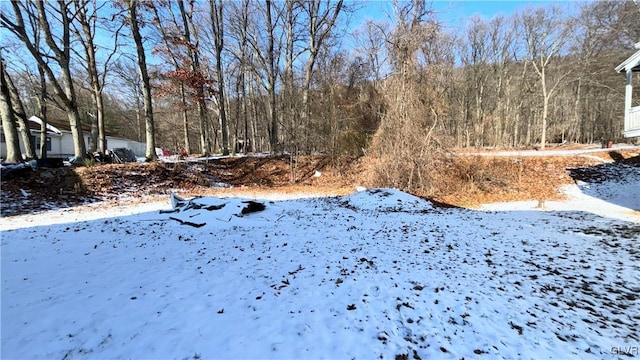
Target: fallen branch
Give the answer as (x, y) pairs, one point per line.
(169, 211)
(182, 222)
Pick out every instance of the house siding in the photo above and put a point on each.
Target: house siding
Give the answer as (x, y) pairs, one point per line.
(62, 145)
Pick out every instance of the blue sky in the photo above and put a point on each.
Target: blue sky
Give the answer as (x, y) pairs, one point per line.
(487, 9)
(453, 11)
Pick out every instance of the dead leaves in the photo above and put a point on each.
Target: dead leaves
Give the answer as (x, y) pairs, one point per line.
(469, 180)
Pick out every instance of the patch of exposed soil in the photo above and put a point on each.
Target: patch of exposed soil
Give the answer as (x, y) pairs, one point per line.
(460, 180)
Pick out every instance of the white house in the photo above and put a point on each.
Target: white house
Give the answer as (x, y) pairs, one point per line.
(60, 142)
(631, 113)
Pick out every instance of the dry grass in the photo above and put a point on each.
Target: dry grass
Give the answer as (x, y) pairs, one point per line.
(472, 180)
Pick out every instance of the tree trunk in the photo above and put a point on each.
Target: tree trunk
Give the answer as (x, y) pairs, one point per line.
(43, 113)
(150, 151)
(254, 120)
(8, 120)
(575, 136)
(305, 118)
(273, 129)
(289, 100)
(92, 145)
(99, 114)
(223, 112)
(185, 121)
(545, 110)
(217, 18)
(203, 114)
(88, 22)
(21, 118)
(245, 115)
(102, 135)
(63, 58)
(139, 120)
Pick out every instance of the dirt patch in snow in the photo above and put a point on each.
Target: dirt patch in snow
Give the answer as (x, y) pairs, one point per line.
(459, 181)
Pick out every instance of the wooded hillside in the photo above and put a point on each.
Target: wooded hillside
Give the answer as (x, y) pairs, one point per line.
(301, 77)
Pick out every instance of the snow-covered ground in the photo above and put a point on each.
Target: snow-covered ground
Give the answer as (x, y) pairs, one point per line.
(553, 152)
(375, 274)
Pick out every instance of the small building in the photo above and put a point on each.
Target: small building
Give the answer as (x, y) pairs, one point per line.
(631, 113)
(60, 140)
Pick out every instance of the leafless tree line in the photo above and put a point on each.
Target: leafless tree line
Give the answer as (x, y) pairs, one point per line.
(544, 74)
(287, 76)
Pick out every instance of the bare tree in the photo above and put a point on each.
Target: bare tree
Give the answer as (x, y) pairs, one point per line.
(244, 49)
(321, 17)
(263, 55)
(21, 117)
(371, 42)
(42, 95)
(476, 65)
(42, 102)
(404, 143)
(59, 45)
(179, 49)
(130, 87)
(501, 38)
(239, 30)
(194, 53)
(290, 101)
(150, 152)
(217, 26)
(545, 32)
(270, 65)
(87, 17)
(186, 20)
(181, 40)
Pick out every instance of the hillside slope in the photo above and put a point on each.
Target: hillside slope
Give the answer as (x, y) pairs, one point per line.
(460, 180)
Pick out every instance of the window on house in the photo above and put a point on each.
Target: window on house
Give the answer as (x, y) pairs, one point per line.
(35, 140)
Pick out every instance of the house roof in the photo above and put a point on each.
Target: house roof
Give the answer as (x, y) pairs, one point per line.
(35, 123)
(58, 126)
(632, 63)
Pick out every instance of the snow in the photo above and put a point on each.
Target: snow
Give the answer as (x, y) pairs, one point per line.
(556, 152)
(579, 199)
(377, 273)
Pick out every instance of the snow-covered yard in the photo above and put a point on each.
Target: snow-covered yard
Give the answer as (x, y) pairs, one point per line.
(376, 274)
